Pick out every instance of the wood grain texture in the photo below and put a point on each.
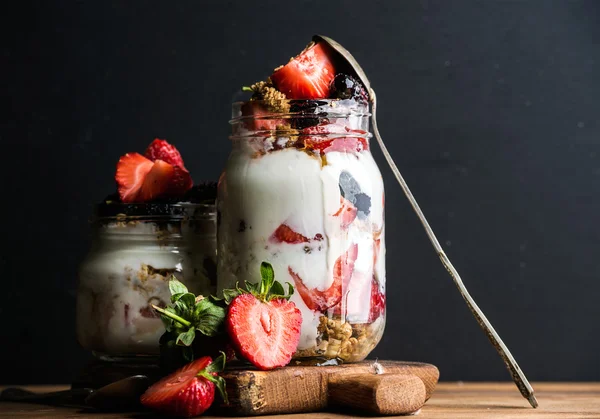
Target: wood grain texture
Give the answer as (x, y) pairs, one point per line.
(381, 394)
(450, 401)
(296, 389)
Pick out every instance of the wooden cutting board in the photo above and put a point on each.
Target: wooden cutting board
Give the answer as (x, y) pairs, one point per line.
(295, 389)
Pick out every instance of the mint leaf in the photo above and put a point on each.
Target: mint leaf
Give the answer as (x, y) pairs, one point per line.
(208, 317)
(186, 338)
(267, 277)
(176, 287)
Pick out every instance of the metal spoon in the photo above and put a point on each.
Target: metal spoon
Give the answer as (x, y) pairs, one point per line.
(121, 394)
(516, 372)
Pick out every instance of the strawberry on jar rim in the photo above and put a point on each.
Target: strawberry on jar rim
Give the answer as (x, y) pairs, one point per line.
(306, 76)
(143, 179)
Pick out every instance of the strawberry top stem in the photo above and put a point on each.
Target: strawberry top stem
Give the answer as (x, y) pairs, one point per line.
(172, 316)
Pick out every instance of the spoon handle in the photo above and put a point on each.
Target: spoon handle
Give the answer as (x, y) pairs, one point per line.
(517, 375)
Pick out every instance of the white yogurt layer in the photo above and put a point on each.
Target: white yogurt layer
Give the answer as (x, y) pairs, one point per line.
(257, 194)
(127, 270)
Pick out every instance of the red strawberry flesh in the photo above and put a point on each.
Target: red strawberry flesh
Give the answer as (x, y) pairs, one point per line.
(347, 213)
(307, 76)
(285, 234)
(182, 393)
(264, 333)
(377, 302)
(317, 300)
(132, 169)
(162, 150)
(258, 117)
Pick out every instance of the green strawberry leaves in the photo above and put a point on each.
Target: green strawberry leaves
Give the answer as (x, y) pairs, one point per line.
(190, 315)
(267, 277)
(211, 371)
(208, 317)
(268, 289)
(176, 287)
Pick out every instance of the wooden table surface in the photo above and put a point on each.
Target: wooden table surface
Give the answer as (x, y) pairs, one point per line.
(450, 400)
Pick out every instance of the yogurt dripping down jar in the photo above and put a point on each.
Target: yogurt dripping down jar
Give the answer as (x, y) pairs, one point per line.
(302, 191)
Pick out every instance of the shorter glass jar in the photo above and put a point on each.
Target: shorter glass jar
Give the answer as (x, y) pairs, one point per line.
(136, 249)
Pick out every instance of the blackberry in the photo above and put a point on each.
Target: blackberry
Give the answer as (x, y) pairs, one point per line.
(304, 110)
(344, 86)
(350, 190)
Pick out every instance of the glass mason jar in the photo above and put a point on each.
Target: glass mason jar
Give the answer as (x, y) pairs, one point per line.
(302, 191)
(136, 249)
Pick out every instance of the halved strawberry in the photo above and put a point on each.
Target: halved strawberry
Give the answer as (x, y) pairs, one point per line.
(162, 150)
(157, 181)
(259, 117)
(307, 76)
(164, 180)
(347, 213)
(285, 234)
(189, 391)
(132, 169)
(317, 300)
(264, 327)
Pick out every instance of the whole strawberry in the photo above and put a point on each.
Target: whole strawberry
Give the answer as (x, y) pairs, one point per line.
(189, 391)
(264, 326)
(162, 150)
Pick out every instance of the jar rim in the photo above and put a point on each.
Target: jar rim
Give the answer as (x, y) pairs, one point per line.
(320, 108)
(152, 210)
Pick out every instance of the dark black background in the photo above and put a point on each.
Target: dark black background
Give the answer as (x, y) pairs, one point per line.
(491, 110)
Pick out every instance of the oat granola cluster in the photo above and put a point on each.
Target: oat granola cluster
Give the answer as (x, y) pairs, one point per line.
(342, 340)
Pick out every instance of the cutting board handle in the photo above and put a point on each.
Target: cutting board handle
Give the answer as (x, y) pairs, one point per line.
(379, 394)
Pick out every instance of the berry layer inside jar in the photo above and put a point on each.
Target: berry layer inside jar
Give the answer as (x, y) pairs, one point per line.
(317, 216)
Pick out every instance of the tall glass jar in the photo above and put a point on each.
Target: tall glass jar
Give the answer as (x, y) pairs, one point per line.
(136, 249)
(302, 191)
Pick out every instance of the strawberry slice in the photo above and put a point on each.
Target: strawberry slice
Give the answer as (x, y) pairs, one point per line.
(189, 391)
(264, 327)
(164, 180)
(318, 138)
(285, 234)
(377, 301)
(307, 76)
(347, 213)
(317, 300)
(162, 150)
(132, 169)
